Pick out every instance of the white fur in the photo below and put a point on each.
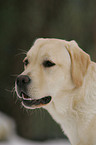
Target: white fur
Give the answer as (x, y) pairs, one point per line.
(73, 106)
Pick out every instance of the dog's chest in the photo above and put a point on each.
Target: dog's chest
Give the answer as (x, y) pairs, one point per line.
(67, 123)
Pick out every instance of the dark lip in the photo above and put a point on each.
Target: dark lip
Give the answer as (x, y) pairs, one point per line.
(42, 101)
(28, 101)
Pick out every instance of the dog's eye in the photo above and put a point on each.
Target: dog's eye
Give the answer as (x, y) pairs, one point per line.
(26, 62)
(48, 63)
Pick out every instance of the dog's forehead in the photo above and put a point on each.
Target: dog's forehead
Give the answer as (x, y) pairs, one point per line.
(47, 47)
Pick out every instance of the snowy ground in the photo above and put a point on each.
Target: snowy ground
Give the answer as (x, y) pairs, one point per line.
(20, 141)
(7, 133)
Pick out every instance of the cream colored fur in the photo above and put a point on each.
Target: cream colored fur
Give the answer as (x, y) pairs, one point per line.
(71, 83)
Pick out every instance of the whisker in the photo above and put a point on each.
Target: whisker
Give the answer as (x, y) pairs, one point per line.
(11, 91)
(14, 92)
(27, 111)
(40, 113)
(21, 106)
(22, 50)
(8, 90)
(14, 75)
(22, 53)
(16, 99)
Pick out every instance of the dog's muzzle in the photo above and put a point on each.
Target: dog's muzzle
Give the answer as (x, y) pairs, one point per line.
(22, 82)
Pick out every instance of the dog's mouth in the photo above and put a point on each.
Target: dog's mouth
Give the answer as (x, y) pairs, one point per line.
(28, 102)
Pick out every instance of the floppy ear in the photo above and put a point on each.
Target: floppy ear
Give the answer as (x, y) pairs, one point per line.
(80, 62)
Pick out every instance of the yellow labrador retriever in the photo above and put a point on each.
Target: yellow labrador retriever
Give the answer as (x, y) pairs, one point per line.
(60, 77)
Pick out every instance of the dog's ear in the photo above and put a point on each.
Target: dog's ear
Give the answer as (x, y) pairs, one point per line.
(80, 62)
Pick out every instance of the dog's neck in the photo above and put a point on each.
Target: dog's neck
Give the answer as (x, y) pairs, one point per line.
(67, 118)
(75, 113)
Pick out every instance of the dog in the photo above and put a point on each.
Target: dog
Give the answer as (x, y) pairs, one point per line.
(60, 77)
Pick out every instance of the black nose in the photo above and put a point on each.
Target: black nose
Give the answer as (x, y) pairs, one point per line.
(22, 80)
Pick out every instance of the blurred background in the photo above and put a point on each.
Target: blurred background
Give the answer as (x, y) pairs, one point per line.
(21, 23)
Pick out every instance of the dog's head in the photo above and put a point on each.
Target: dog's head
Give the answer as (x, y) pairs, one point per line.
(51, 67)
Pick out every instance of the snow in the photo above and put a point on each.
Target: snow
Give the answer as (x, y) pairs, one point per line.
(8, 134)
(16, 140)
